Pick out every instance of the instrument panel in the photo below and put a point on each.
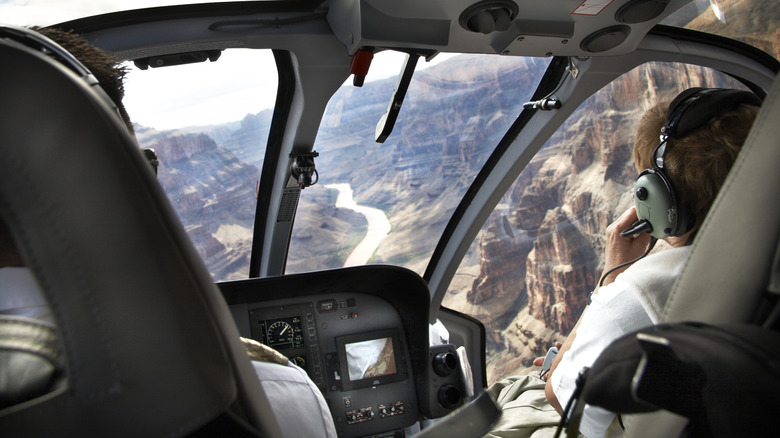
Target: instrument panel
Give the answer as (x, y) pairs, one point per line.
(287, 334)
(360, 333)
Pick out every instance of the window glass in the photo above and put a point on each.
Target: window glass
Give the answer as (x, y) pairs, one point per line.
(528, 274)
(753, 22)
(451, 120)
(208, 123)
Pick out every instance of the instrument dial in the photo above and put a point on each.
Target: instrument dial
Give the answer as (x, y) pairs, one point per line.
(299, 360)
(280, 334)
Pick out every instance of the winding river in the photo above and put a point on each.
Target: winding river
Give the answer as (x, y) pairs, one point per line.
(378, 225)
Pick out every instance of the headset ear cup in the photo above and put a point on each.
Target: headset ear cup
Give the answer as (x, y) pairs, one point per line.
(655, 203)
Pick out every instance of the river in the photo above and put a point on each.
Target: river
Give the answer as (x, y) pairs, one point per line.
(378, 225)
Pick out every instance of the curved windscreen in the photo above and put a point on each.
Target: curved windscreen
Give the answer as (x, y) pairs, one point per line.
(390, 202)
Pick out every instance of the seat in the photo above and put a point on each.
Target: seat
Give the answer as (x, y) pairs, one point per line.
(732, 257)
(149, 345)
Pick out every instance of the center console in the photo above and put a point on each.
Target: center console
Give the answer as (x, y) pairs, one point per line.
(360, 333)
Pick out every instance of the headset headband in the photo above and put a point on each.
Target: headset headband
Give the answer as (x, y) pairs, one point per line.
(693, 108)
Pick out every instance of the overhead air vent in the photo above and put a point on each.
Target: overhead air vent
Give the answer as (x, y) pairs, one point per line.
(639, 11)
(605, 39)
(489, 16)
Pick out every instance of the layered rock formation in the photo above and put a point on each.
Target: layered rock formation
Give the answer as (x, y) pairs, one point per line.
(434, 158)
(213, 193)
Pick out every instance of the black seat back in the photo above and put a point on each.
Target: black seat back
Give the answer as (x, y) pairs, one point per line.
(149, 345)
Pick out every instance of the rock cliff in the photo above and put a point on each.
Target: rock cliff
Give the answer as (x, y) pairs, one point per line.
(213, 193)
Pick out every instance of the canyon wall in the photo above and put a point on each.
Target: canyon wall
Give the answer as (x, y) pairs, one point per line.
(213, 193)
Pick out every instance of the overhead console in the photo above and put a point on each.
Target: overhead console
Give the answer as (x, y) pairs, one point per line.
(360, 333)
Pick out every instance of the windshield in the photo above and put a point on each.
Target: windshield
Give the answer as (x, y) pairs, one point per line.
(399, 195)
(374, 203)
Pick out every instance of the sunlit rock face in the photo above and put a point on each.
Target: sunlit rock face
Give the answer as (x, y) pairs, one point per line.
(502, 274)
(214, 194)
(548, 246)
(564, 201)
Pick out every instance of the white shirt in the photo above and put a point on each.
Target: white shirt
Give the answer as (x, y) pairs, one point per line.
(633, 301)
(295, 400)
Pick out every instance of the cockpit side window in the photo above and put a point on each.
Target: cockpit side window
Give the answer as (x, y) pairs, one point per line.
(528, 274)
(208, 123)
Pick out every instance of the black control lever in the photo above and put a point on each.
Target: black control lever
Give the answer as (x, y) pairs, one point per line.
(387, 122)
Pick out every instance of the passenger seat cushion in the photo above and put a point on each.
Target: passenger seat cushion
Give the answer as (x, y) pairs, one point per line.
(725, 378)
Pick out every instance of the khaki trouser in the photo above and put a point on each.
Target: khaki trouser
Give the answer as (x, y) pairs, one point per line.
(525, 411)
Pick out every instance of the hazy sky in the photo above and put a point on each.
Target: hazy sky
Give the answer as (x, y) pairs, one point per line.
(240, 82)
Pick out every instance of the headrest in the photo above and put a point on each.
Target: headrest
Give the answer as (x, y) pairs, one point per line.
(15, 35)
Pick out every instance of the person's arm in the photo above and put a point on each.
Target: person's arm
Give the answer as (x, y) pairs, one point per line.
(548, 388)
(617, 250)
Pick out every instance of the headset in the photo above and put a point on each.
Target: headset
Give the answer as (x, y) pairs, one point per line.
(29, 38)
(657, 201)
(658, 208)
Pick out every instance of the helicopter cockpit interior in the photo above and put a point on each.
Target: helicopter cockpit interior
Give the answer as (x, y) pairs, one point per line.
(482, 170)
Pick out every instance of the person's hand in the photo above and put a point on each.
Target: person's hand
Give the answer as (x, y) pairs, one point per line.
(539, 361)
(618, 249)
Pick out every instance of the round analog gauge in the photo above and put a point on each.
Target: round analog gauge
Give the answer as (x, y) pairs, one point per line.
(299, 361)
(280, 333)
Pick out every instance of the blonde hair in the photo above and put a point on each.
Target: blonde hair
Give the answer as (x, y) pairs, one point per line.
(698, 163)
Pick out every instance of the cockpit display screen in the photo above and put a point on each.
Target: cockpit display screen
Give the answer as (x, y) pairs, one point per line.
(370, 359)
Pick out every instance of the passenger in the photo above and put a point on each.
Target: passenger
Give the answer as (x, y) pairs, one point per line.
(631, 298)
